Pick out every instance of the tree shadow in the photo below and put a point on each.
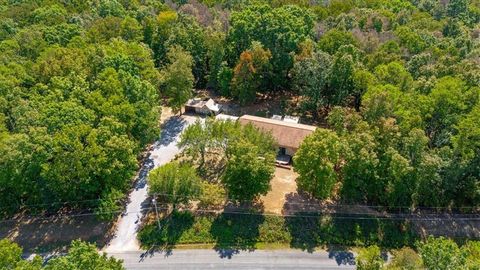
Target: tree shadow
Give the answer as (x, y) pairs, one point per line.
(310, 230)
(305, 231)
(342, 255)
(170, 130)
(235, 232)
(171, 229)
(147, 166)
(301, 202)
(54, 233)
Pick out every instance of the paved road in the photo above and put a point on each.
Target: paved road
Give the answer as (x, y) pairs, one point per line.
(260, 259)
(163, 151)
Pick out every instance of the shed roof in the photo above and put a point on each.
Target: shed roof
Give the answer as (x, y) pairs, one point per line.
(203, 103)
(196, 103)
(287, 134)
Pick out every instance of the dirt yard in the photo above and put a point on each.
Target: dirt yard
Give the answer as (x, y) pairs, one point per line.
(38, 235)
(283, 183)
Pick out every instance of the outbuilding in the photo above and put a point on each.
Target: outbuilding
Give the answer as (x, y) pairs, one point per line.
(202, 106)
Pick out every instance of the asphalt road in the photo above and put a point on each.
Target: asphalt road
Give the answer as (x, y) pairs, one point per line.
(259, 259)
(163, 151)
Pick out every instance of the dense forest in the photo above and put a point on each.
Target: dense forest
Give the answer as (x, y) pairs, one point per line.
(82, 82)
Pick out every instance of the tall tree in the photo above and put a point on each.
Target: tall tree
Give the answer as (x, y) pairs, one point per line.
(310, 77)
(317, 162)
(341, 79)
(177, 77)
(280, 30)
(248, 172)
(250, 73)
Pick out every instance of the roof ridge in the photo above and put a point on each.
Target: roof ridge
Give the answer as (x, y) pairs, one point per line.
(278, 122)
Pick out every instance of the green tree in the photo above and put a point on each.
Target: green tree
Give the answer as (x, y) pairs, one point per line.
(248, 172)
(395, 74)
(213, 195)
(456, 8)
(10, 254)
(331, 41)
(177, 77)
(341, 79)
(189, 35)
(110, 8)
(369, 258)
(447, 103)
(110, 205)
(362, 80)
(467, 139)
(310, 77)
(175, 182)
(215, 43)
(11, 257)
(472, 251)
(50, 15)
(361, 181)
(280, 30)
(224, 79)
(317, 162)
(82, 255)
(410, 39)
(196, 139)
(441, 254)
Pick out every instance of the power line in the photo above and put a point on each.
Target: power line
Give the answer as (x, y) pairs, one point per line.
(334, 205)
(348, 216)
(285, 204)
(56, 203)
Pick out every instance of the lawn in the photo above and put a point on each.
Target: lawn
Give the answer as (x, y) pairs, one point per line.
(251, 231)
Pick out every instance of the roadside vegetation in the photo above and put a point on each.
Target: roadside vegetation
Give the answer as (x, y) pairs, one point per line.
(245, 230)
(80, 255)
(81, 85)
(395, 85)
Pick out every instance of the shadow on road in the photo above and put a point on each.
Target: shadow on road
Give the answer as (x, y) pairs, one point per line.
(171, 129)
(341, 255)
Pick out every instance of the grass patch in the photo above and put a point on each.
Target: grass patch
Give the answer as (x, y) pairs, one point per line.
(248, 232)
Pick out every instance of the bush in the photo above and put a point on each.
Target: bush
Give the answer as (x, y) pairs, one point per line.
(369, 258)
(213, 195)
(405, 259)
(442, 254)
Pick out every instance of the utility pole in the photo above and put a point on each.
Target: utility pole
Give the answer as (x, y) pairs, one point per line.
(154, 201)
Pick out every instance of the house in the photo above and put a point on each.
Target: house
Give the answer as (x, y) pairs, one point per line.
(288, 134)
(202, 106)
(226, 117)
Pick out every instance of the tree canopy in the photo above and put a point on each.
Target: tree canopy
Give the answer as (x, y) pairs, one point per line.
(81, 255)
(81, 84)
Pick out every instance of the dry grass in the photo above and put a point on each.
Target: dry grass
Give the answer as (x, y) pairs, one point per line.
(283, 183)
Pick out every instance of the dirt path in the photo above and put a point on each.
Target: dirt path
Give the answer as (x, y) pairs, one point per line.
(283, 183)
